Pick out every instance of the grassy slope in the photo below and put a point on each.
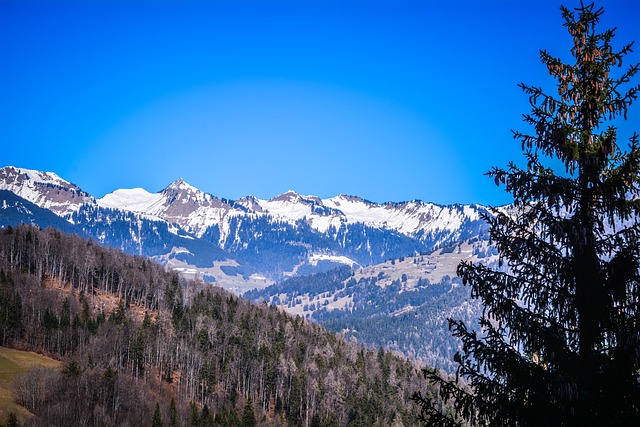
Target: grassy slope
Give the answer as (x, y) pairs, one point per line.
(13, 362)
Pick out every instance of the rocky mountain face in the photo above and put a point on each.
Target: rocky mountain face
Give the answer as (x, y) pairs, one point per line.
(250, 241)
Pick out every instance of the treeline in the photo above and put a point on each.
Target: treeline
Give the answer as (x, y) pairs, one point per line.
(142, 346)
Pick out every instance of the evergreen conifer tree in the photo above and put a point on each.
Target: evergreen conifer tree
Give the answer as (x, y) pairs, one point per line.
(173, 414)
(157, 417)
(248, 416)
(195, 416)
(12, 420)
(560, 340)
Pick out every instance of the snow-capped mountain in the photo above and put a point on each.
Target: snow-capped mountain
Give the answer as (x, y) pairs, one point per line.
(286, 235)
(197, 211)
(430, 223)
(134, 200)
(179, 203)
(44, 189)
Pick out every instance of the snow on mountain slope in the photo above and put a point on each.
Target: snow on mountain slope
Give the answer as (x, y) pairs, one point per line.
(133, 199)
(413, 219)
(251, 204)
(194, 211)
(179, 203)
(290, 205)
(408, 217)
(293, 207)
(315, 258)
(44, 189)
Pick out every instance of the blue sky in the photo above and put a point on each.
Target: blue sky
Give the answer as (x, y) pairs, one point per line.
(388, 100)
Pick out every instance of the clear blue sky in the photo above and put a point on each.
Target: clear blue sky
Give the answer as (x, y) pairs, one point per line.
(388, 100)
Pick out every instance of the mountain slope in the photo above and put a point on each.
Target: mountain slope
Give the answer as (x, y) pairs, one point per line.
(15, 210)
(13, 363)
(179, 203)
(402, 304)
(132, 335)
(44, 189)
(134, 200)
(196, 211)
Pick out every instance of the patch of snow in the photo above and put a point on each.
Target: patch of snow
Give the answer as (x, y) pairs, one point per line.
(315, 258)
(403, 310)
(180, 251)
(185, 270)
(286, 209)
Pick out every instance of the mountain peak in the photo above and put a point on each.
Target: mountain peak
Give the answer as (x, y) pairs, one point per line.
(181, 184)
(349, 199)
(251, 203)
(44, 189)
(287, 196)
(295, 197)
(196, 211)
(8, 173)
(181, 190)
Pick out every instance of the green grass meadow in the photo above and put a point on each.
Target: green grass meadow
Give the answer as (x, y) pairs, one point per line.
(12, 363)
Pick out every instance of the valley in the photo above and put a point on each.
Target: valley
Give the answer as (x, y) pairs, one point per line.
(401, 304)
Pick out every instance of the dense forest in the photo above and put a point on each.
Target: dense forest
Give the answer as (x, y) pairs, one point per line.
(412, 322)
(142, 346)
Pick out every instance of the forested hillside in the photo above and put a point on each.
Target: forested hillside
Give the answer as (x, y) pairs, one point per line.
(401, 305)
(140, 345)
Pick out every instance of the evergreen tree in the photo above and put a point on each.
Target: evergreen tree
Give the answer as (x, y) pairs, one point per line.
(173, 414)
(206, 418)
(560, 341)
(195, 416)
(12, 420)
(157, 417)
(248, 416)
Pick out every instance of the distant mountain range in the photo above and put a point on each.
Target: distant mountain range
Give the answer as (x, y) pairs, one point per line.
(395, 289)
(240, 244)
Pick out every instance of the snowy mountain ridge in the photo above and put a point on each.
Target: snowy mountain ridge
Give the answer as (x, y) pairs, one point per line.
(45, 189)
(196, 211)
(180, 203)
(275, 238)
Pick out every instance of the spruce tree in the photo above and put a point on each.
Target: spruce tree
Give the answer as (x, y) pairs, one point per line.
(560, 330)
(248, 416)
(173, 414)
(157, 417)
